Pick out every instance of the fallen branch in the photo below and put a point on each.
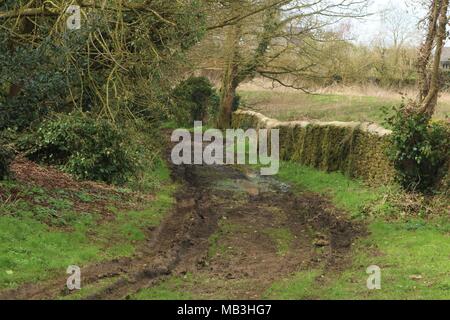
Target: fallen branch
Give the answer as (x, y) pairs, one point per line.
(27, 12)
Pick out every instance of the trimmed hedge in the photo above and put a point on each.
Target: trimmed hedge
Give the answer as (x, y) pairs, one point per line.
(356, 149)
(353, 148)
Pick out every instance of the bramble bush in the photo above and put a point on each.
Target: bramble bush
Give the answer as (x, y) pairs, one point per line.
(84, 147)
(420, 149)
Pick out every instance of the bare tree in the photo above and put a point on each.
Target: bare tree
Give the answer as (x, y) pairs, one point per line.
(430, 52)
(274, 39)
(398, 26)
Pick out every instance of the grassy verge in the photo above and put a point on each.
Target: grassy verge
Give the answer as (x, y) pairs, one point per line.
(44, 231)
(171, 289)
(347, 194)
(414, 265)
(413, 253)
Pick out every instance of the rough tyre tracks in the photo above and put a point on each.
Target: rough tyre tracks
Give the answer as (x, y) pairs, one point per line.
(181, 243)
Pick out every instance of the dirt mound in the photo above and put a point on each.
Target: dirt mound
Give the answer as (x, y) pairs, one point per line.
(51, 178)
(83, 196)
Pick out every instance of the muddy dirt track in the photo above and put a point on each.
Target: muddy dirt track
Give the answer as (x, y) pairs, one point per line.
(233, 230)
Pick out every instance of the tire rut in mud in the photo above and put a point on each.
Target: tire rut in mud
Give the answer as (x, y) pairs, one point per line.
(248, 217)
(264, 232)
(182, 239)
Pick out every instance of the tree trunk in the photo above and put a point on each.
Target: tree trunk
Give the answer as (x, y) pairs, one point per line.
(429, 102)
(230, 80)
(236, 71)
(426, 50)
(226, 103)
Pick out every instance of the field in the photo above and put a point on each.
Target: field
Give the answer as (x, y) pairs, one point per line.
(340, 104)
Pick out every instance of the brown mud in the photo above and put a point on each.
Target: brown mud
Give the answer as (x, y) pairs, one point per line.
(233, 230)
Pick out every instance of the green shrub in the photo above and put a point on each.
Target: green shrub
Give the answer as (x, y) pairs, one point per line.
(236, 102)
(420, 149)
(195, 99)
(85, 147)
(154, 171)
(42, 77)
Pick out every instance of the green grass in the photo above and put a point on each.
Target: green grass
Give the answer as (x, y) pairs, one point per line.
(282, 237)
(32, 251)
(347, 194)
(413, 253)
(41, 234)
(415, 264)
(156, 173)
(287, 106)
(214, 246)
(224, 228)
(296, 287)
(170, 289)
(29, 251)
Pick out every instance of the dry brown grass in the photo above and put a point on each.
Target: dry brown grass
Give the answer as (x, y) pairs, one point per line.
(355, 103)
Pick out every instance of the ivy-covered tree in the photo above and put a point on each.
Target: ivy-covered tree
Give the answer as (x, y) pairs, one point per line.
(421, 147)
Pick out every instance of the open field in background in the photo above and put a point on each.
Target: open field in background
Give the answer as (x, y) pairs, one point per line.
(331, 104)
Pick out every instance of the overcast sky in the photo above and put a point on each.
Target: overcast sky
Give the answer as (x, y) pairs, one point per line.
(370, 28)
